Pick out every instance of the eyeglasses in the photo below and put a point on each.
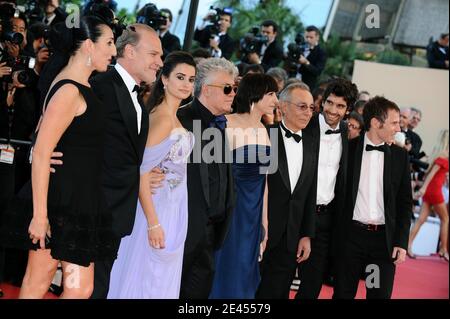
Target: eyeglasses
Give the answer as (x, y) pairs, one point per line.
(303, 107)
(226, 88)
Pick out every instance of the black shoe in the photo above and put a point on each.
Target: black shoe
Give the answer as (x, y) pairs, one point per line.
(55, 289)
(1, 293)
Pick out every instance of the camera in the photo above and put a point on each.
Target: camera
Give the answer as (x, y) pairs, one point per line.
(7, 12)
(22, 65)
(252, 42)
(151, 16)
(35, 9)
(295, 50)
(214, 19)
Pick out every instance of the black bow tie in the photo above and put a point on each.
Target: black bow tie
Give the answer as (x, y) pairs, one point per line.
(381, 148)
(138, 89)
(328, 132)
(289, 134)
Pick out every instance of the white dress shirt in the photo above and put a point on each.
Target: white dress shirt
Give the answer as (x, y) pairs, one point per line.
(49, 20)
(329, 157)
(369, 206)
(294, 156)
(130, 83)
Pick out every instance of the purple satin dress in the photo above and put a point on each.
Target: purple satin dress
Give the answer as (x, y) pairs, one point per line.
(140, 271)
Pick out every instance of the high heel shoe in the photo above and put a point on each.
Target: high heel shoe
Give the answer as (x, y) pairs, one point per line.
(444, 255)
(1, 293)
(410, 254)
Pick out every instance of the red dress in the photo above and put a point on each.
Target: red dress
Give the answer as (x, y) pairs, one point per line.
(433, 195)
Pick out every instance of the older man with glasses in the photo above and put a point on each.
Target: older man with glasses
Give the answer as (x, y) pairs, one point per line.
(291, 194)
(209, 180)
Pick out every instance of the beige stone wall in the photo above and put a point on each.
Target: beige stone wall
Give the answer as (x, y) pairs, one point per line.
(422, 88)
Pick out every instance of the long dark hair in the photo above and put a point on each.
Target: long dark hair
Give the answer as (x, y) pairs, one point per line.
(171, 61)
(65, 43)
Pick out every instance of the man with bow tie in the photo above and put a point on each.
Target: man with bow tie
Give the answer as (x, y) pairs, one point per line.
(374, 225)
(331, 135)
(291, 194)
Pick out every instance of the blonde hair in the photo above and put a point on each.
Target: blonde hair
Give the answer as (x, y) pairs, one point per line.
(439, 147)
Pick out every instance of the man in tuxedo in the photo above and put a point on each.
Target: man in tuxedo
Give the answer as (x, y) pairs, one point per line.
(169, 41)
(331, 133)
(53, 13)
(220, 44)
(313, 60)
(139, 54)
(271, 53)
(209, 180)
(374, 226)
(437, 53)
(291, 194)
(414, 118)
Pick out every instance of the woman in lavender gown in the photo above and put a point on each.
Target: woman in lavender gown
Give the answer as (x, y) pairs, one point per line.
(150, 260)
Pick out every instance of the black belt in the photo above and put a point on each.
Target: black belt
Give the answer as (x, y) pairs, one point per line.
(368, 227)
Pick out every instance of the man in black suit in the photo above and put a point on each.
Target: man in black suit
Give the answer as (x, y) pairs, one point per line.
(291, 194)
(169, 41)
(331, 133)
(218, 41)
(139, 54)
(271, 53)
(415, 116)
(437, 53)
(53, 13)
(374, 226)
(313, 60)
(209, 180)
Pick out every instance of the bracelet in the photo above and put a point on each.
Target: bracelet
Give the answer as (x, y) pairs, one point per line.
(150, 228)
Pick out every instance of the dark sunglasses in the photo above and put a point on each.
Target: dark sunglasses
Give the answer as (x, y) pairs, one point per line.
(226, 88)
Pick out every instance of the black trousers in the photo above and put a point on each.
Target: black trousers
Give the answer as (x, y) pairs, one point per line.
(198, 268)
(102, 276)
(365, 251)
(277, 272)
(312, 271)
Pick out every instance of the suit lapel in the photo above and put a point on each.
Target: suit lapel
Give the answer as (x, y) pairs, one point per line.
(127, 109)
(282, 161)
(387, 177)
(357, 168)
(203, 167)
(308, 151)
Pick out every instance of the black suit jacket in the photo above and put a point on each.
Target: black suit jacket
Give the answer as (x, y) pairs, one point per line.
(123, 149)
(310, 73)
(338, 202)
(226, 43)
(170, 42)
(436, 58)
(198, 186)
(396, 189)
(272, 56)
(293, 213)
(60, 16)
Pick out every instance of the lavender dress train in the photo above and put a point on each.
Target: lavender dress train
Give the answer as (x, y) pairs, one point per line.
(141, 271)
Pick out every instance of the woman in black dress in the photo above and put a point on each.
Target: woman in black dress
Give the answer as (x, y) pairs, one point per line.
(69, 222)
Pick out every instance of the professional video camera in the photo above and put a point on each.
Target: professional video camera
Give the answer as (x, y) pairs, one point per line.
(295, 50)
(252, 42)
(35, 9)
(151, 16)
(214, 18)
(92, 5)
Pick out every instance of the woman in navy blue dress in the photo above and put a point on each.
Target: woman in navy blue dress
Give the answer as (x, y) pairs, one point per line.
(237, 270)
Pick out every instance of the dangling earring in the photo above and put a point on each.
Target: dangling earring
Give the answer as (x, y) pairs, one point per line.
(89, 61)
(252, 106)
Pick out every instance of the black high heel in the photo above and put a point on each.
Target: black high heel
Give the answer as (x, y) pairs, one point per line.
(1, 293)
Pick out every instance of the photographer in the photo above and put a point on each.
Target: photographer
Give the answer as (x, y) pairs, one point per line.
(214, 36)
(169, 41)
(313, 60)
(271, 52)
(53, 13)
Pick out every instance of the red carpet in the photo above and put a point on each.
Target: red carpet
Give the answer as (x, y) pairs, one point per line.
(421, 278)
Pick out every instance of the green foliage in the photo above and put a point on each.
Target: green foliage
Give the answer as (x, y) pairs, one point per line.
(392, 57)
(340, 57)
